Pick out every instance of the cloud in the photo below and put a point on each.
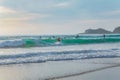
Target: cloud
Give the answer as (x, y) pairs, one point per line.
(23, 16)
(4, 10)
(8, 14)
(64, 4)
(114, 12)
(23, 28)
(15, 22)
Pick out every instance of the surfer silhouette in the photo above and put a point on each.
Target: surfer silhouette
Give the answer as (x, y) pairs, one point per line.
(76, 36)
(104, 36)
(59, 39)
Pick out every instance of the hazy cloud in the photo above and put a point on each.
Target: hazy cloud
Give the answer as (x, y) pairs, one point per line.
(5, 10)
(114, 12)
(57, 16)
(63, 4)
(10, 14)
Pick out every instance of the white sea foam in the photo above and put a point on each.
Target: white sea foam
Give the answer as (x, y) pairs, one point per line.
(11, 43)
(58, 56)
(52, 52)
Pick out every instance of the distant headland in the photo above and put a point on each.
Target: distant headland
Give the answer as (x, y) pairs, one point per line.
(102, 31)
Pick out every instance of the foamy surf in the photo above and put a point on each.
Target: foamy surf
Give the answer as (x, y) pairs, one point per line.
(63, 55)
(37, 41)
(35, 49)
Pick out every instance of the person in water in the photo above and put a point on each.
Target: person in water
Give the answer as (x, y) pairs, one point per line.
(77, 36)
(59, 39)
(104, 36)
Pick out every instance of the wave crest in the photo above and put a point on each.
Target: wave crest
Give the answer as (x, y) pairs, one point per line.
(57, 56)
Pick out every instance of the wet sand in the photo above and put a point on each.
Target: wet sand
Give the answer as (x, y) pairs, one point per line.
(108, 73)
(61, 70)
(68, 77)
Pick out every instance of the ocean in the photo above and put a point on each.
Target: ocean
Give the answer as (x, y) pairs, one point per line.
(39, 49)
(60, 57)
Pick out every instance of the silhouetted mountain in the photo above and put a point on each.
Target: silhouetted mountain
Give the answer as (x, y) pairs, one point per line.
(97, 31)
(116, 30)
(102, 31)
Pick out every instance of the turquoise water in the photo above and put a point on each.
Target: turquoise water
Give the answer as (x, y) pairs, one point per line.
(72, 40)
(83, 41)
(41, 41)
(37, 49)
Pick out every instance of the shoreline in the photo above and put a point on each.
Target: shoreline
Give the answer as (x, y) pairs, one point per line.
(55, 70)
(83, 73)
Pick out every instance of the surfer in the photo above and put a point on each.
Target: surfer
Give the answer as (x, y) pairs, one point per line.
(76, 36)
(59, 39)
(104, 36)
(53, 37)
(40, 37)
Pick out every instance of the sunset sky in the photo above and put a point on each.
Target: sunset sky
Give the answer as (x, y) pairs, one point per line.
(37, 17)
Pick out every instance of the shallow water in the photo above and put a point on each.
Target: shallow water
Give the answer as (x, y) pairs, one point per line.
(40, 62)
(42, 71)
(58, 53)
(108, 74)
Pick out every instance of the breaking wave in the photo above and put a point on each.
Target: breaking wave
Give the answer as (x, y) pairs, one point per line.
(52, 42)
(39, 57)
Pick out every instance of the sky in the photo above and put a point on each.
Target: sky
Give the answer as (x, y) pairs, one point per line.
(47, 17)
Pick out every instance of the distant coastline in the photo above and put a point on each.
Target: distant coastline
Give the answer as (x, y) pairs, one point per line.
(102, 31)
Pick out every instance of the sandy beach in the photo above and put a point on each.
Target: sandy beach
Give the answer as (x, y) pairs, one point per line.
(111, 73)
(63, 70)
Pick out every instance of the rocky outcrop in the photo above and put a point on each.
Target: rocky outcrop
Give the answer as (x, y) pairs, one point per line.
(116, 30)
(102, 31)
(97, 31)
